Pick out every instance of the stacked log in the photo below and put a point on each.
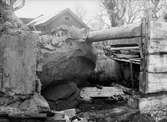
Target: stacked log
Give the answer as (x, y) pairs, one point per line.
(153, 74)
(155, 58)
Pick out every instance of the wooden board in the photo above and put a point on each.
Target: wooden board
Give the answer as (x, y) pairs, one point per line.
(88, 92)
(122, 48)
(158, 37)
(152, 104)
(123, 42)
(157, 63)
(156, 82)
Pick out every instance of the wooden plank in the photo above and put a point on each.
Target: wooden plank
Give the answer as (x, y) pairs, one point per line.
(153, 103)
(125, 56)
(122, 48)
(135, 61)
(157, 63)
(158, 37)
(88, 92)
(123, 42)
(156, 82)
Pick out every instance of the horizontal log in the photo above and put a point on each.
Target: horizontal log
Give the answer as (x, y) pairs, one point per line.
(158, 37)
(123, 42)
(156, 82)
(158, 30)
(122, 32)
(157, 45)
(157, 63)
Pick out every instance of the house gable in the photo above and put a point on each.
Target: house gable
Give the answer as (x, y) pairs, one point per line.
(66, 17)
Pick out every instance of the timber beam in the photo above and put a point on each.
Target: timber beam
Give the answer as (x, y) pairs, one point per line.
(124, 32)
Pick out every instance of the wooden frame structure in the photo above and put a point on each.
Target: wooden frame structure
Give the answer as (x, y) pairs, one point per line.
(150, 38)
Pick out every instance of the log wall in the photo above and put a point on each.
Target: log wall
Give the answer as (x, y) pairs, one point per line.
(153, 76)
(154, 64)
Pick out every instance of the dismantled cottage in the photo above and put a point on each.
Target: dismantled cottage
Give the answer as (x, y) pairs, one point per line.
(53, 76)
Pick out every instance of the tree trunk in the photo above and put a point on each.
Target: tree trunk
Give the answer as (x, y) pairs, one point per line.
(18, 63)
(123, 32)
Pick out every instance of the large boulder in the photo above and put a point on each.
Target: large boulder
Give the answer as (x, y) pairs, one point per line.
(72, 59)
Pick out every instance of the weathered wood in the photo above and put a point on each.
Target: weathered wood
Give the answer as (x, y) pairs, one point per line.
(143, 50)
(126, 56)
(88, 92)
(156, 82)
(135, 61)
(124, 42)
(154, 62)
(158, 30)
(122, 48)
(157, 63)
(157, 45)
(123, 32)
(158, 37)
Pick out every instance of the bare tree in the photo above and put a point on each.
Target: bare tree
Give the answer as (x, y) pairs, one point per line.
(155, 8)
(12, 2)
(7, 8)
(80, 12)
(134, 10)
(116, 10)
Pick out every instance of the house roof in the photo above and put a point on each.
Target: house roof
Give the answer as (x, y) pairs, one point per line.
(26, 20)
(41, 22)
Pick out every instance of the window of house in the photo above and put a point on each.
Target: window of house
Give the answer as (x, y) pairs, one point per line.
(67, 18)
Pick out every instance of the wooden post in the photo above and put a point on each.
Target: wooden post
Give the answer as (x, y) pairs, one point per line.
(131, 73)
(143, 52)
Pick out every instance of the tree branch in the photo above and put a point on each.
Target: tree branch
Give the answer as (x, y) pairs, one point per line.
(123, 13)
(20, 6)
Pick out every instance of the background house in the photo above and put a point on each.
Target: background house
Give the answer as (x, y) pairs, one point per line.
(65, 17)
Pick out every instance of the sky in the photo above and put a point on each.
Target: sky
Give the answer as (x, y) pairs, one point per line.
(34, 8)
(89, 9)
